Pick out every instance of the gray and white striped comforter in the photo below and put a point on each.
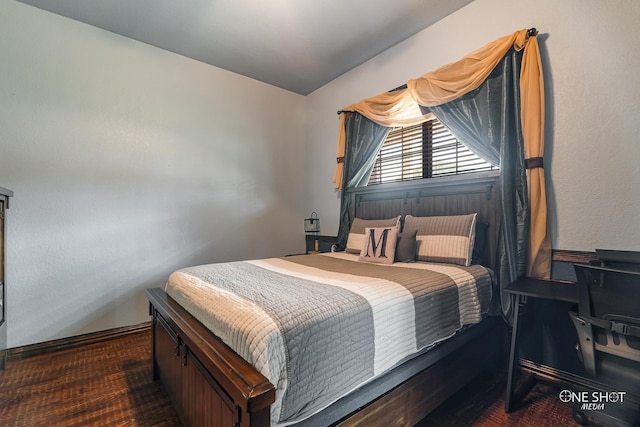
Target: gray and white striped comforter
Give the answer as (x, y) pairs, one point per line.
(320, 326)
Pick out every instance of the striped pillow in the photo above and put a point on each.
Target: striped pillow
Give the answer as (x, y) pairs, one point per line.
(355, 240)
(447, 239)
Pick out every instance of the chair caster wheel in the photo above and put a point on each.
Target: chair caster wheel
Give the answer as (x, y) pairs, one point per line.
(580, 418)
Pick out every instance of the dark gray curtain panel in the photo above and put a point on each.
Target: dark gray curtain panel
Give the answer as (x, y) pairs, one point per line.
(364, 139)
(488, 120)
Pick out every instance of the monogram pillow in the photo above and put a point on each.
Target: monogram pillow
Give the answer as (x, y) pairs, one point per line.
(356, 233)
(379, 245)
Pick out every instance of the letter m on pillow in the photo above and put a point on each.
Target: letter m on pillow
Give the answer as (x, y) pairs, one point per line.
(374, 245)
(379, 245)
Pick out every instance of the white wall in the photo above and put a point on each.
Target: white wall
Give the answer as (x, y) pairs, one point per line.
(128, 162)
(591, 52)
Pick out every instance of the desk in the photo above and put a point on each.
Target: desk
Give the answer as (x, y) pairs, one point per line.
(532, 288)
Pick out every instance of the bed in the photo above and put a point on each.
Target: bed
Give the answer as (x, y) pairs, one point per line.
(332, 339)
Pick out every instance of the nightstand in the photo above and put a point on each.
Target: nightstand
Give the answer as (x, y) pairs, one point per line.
(317, 244)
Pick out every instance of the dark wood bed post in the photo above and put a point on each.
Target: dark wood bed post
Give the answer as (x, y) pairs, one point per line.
(155, 372)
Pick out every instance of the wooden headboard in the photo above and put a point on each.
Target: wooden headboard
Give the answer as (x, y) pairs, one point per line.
(453, 195)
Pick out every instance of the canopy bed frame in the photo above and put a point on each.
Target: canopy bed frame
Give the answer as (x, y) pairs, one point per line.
(211, 385)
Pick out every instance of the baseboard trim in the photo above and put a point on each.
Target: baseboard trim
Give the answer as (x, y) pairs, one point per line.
(46, 347)
(579, 257)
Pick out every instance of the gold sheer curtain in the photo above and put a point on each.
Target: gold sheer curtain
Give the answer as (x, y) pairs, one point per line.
(532, 100)
(402, 108)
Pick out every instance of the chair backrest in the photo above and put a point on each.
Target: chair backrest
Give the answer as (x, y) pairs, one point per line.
(620, 260)
(611, 296)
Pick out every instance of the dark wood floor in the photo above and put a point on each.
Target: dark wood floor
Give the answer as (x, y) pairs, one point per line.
(109, 384)
(482, 404)
(104, 384)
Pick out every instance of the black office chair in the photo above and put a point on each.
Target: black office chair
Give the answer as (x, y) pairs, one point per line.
(608, 326)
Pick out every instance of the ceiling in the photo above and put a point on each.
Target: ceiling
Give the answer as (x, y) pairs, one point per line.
(298, 45)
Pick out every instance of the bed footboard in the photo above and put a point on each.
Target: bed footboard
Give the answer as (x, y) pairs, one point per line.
(209, 384)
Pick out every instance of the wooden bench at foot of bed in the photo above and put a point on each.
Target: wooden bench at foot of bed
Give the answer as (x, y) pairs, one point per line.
(211, 385)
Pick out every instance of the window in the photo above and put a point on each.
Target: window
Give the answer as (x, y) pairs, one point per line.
(426, 150)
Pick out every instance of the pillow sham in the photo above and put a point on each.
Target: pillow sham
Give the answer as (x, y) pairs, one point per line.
(356, 233)
(447, 239)
(379, 245)
(406, 247)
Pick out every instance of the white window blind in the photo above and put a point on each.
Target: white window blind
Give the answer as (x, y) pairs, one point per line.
(425, 150)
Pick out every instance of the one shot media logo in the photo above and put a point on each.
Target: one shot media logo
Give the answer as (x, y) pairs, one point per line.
(592, 400)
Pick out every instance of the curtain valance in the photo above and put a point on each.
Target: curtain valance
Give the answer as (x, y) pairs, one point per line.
(402, 107)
